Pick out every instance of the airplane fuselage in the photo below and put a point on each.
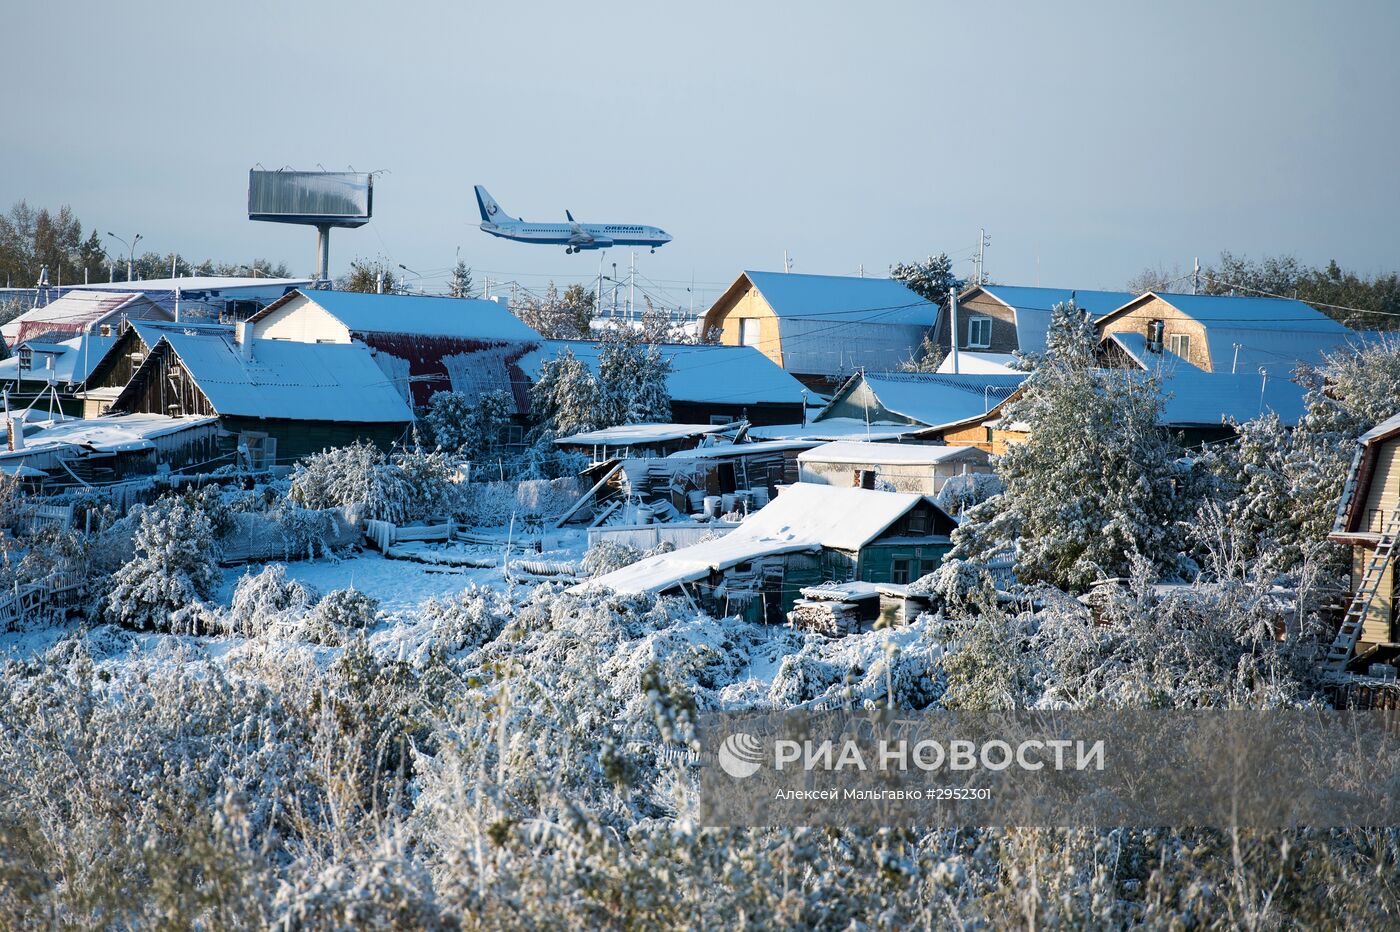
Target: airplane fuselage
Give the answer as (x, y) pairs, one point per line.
(598, 235)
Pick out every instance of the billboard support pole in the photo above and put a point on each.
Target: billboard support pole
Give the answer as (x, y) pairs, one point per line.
(323, 255)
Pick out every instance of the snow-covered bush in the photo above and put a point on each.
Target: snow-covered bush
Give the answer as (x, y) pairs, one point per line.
(956, 583)
(333, 620)
(266, 599)
(608, 555)
(164, 587)
(467, 620)
(411, 486)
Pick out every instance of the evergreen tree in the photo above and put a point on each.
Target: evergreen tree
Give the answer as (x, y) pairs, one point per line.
(1096, 482)
(460, 284)
(163, 587)
(632, 380)
(473, 428)
(564, 399)
(931, 279)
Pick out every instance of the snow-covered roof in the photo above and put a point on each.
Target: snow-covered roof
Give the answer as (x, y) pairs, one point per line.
(934, 399)
(804, 516)
(75, 311)
(423, 315)
(73, 359)
(296, 381)
(1202, 398)
(114, 433)
(857, 452)
(970, 363)
(843, 298)
(834, 428)
(1245, 312)
(197, 283)
(1385, 428)
(1032, 308)
(640, 434)
(1249, 349)
(699, 373)
(726, 450)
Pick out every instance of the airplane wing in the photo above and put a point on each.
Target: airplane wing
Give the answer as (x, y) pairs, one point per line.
(578, 235)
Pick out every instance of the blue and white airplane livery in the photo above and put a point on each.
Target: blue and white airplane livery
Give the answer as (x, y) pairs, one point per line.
(574, 236)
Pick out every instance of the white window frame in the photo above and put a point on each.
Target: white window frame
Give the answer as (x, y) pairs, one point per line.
(975, 324)
(1178, 342)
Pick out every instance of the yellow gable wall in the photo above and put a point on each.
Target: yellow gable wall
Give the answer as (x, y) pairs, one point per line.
(301, 321)
(750, 304)
(1173, 321)
(1384, 489)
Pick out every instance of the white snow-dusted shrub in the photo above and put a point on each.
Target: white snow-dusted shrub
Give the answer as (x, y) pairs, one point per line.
(800, 678)
(164, 587)
(266, 599)
(608, 555)
(468, 619)
(413, 485)
(339, 613)
(954, 582)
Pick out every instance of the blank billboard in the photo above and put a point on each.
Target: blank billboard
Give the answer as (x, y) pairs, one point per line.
(342, 199)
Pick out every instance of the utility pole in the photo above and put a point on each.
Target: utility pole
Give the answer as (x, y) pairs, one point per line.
(598, 295)
(983, 241)
(631, 284)
(486, 288)
(860, 270)
(953, 318)
(1196, 275)
(379, 282)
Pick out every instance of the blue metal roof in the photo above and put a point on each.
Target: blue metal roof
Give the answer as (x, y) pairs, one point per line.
(1022, 298)
(1238, 312)
(1033, 307)
(843, 298)
(423, 315)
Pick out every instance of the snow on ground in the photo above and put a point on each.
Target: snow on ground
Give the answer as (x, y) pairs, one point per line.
(399, 585)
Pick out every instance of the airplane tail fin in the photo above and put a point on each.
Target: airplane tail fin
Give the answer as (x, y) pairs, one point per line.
(491, 212)
(570, 215)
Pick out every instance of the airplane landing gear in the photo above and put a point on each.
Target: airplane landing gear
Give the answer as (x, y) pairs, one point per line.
(653, 250)
(569, 250)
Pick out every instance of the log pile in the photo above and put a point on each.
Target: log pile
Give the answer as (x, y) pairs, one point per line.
(830, 618)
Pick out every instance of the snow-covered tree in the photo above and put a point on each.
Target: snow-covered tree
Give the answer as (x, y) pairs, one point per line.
(1096, 481)
(927, 358)
(632, 381)
(360, 478)
(564, 398)
(459, 284)
(471, 427)
(164, 587)
(555, 316)
(931, 279)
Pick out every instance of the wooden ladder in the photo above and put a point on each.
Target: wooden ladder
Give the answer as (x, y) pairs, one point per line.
(1350, 631)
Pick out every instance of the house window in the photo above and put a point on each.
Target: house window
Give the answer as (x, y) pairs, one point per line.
(1180, 344)
(1154, 335)
(979, 332)
(918, 523)
(748, 331)
(899, 571)
(721, 419)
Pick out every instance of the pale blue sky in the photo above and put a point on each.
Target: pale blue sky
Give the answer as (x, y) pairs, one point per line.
(1090, 139)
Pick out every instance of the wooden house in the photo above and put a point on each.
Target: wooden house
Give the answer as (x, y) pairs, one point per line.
(77, 312)
(922, 399)
(1368, 521)
(278, 400)
(422, 345)
(808, 535)
(1005, 319)
(822, 328)
(1219, 333)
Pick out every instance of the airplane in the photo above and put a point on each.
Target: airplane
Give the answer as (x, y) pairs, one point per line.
(574, 236)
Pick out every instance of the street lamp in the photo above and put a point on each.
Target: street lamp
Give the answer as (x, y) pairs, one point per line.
(411, 272)
(131, 255)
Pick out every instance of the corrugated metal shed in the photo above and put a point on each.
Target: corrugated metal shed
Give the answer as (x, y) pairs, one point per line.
(78, 310)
